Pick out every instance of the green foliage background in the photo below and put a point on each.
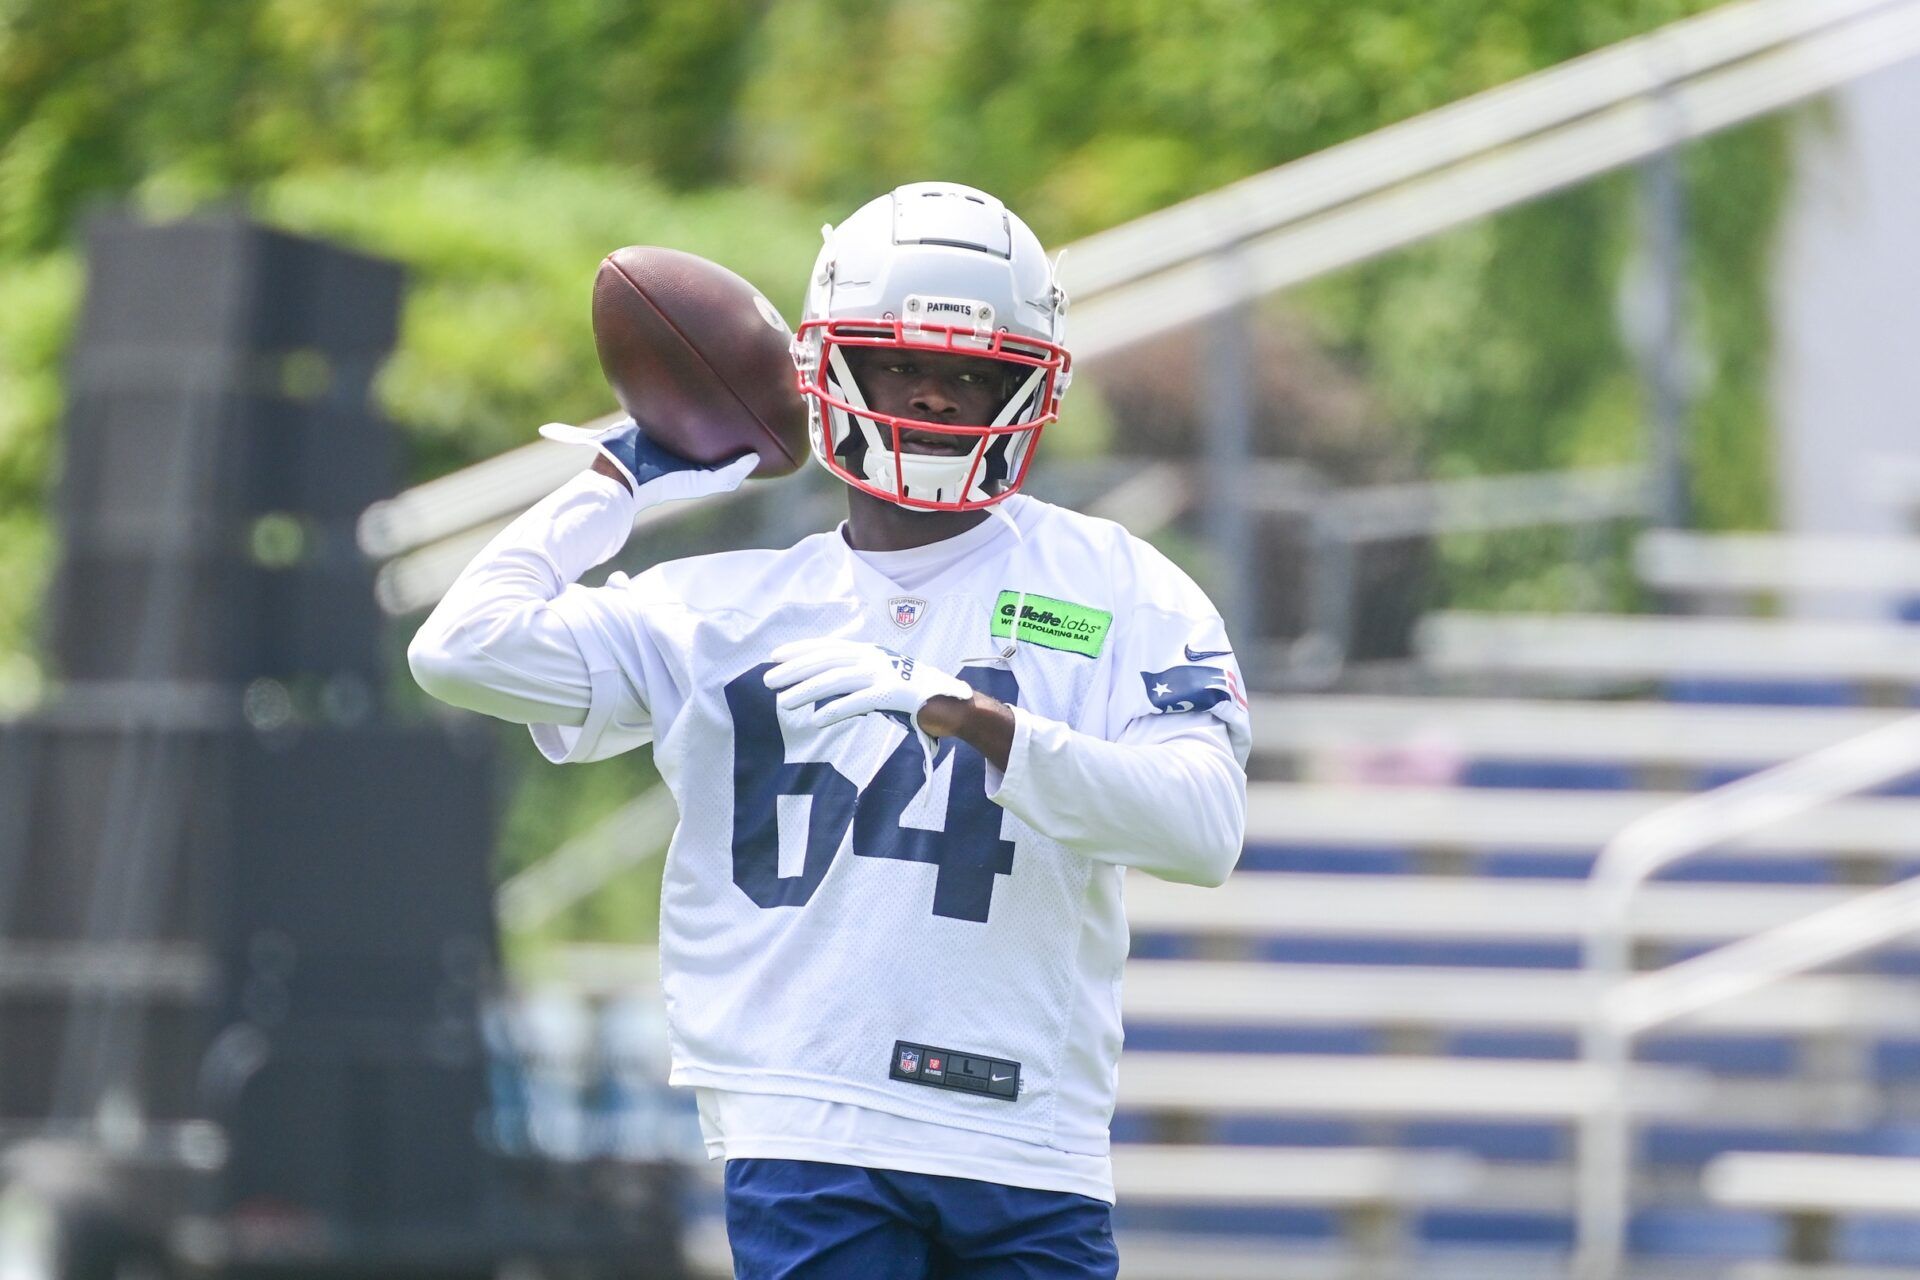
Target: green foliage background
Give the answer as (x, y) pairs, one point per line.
(499, 148)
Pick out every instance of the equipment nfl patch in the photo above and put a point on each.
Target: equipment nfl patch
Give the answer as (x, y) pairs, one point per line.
(905, 611)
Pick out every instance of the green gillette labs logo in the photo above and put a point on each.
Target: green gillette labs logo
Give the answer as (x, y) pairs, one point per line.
(1057, 624)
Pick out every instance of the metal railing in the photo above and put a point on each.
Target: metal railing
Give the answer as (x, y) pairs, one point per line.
(417, 578)
(1340, 523)
(1209, 255)
(1462, 130)
(1515, 143)
(630, 837)
(1775, 563)
(1632, 1005)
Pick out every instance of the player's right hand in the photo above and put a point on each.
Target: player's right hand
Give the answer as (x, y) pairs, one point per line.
(651, 473)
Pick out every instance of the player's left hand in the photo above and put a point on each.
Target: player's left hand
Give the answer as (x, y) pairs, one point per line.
(856, 678)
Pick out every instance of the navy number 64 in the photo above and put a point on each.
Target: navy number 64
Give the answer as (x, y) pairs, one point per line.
(968, 851)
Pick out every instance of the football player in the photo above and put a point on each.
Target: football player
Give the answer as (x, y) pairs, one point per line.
(912, 757)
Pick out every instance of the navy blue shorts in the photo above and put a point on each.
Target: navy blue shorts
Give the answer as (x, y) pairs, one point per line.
(801, 1220)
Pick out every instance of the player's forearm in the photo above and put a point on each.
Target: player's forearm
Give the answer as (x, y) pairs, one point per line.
(603, 466)
(983, 723)
(492, 644)
(1175, 809)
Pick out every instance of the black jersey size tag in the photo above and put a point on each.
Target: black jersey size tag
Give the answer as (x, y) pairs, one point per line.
(962, 1072)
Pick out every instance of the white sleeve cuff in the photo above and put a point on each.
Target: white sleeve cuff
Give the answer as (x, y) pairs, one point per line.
(1009, 787)
(563, 744)
(1174, 807)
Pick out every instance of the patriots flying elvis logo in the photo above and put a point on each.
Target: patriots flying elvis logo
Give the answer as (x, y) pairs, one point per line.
(1195, 688)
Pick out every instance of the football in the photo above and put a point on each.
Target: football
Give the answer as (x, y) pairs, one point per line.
(699, 358)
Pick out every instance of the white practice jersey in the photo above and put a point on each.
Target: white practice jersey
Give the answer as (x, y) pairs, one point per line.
(842, 920)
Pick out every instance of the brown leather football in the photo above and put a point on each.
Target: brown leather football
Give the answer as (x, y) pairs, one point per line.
(699, 358)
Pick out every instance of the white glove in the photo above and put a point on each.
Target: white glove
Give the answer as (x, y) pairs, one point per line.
(654, 475)
(859, 678)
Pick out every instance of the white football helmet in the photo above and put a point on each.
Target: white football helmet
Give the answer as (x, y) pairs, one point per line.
(931, 266)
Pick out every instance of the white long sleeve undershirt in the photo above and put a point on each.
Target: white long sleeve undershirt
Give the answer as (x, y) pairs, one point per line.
(1168, 797)
(494, 644)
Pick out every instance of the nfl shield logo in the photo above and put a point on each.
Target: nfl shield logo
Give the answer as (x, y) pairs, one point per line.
(909, 1060)
(906, 610)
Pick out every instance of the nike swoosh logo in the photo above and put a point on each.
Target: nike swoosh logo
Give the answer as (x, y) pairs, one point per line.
(1204, 654)
(1001, 1079)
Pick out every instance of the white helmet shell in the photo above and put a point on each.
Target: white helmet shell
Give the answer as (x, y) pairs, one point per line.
(932, 266)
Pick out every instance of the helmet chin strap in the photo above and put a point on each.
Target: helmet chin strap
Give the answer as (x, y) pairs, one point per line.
(998, 510)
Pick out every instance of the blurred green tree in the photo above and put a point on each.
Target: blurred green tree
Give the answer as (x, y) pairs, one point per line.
(208, 98)
(498, 148)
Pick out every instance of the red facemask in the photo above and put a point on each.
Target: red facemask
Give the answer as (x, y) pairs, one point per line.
(864, 445)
